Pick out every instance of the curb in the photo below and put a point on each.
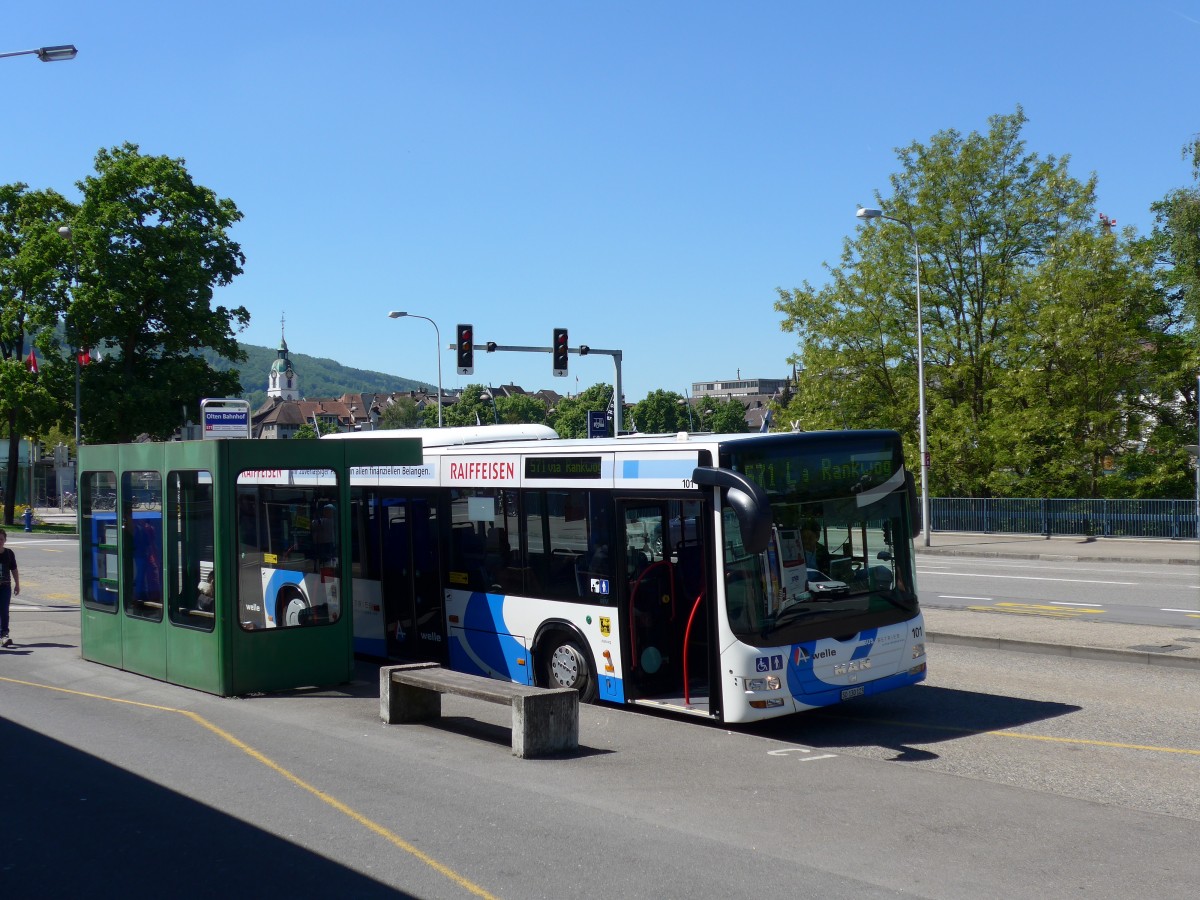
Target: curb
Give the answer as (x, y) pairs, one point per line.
(1097, 654)
(1055, 557)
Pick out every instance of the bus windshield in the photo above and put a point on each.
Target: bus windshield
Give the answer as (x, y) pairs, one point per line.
(840, 557)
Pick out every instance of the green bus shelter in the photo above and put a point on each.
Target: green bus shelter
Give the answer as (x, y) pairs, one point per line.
(223, 565)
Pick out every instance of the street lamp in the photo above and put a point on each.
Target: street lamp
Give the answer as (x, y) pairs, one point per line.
(66, 233)
(438, 335)
(868, 214)
(488, 395)
(59, 53)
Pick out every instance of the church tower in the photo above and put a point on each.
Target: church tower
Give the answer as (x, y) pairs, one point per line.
(282, 382)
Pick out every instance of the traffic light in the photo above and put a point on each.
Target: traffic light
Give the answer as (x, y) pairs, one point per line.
(559, 349)
(466, 350)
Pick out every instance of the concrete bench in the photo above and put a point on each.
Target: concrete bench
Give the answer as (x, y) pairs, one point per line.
(544, 720)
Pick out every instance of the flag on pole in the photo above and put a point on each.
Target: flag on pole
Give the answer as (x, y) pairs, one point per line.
(766, 421)
(31, 362)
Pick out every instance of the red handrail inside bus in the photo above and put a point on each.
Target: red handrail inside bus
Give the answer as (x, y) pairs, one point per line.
(637, 583)
(687, 634)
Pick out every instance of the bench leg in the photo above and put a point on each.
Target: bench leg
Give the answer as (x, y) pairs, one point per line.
(405, 703)
(545, 723)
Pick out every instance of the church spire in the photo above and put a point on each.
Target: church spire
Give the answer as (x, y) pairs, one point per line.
(282, 381)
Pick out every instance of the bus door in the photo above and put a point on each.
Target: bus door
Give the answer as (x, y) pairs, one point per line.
(410, 583)
(668, 602)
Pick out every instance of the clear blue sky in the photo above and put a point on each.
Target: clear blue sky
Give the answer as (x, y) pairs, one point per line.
(642, 173)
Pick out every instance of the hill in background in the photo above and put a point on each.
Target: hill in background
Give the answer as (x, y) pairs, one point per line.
(318, 377)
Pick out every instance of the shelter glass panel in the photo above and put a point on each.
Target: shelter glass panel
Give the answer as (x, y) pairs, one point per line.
(190, 529)
(98, 532)
(289, 548)
(141, 519)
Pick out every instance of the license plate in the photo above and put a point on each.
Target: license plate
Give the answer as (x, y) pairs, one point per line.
(851, 693)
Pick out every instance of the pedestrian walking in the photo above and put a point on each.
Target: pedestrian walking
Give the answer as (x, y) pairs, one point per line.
(10, 584)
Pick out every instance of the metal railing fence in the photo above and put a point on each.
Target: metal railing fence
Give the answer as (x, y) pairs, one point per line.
(1032, 515)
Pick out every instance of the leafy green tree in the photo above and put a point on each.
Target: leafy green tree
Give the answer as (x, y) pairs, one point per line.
(570, 416)
(1175, 242)
(721, 416)
(33, 295)
(471, 408)
(661, 412)
(306, 432)
(402, 413)
(521, 409)
(986, 213)
(150, 247)
(1100, 346)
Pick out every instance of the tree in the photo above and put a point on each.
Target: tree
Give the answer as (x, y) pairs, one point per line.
(986, 214)
(721, 416)
(150, 247)
(471, 408)
(521, 409)
(402, 412)
(570, 417)
(1101, 348)
(306, 432)
(33, 294)
(661, 412)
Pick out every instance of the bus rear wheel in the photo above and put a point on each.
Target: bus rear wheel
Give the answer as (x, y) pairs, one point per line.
(290, 603)
(567, 666)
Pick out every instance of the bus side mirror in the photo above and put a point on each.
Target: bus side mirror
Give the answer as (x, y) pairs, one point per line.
(748, 501)
(914, 508)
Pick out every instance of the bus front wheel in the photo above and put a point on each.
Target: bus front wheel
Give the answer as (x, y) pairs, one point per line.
(289, 605)
(567, 667)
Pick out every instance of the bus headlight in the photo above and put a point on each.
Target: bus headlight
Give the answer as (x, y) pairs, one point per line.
(918, 650)
(770, 683)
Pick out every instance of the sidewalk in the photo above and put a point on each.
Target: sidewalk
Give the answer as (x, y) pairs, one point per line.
(1144, 644)
(1070, 548)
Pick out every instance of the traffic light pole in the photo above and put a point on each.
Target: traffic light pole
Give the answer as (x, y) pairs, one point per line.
(490, 347)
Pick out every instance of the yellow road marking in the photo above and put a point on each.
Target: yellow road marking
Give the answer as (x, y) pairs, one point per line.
(378, 829)
(1035, 609)
(958, 729)
(1117, 744)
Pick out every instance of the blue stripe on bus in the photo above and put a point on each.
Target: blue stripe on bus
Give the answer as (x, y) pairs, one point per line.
(657, 468)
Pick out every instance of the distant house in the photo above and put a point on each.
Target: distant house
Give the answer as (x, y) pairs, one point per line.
(755, 394)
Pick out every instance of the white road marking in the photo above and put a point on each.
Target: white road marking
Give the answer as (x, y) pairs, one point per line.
(788, 750)
(958, 597)
(1065, 603)
(1037, 578)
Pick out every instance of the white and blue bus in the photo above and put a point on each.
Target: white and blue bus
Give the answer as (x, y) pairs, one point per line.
(734, 577)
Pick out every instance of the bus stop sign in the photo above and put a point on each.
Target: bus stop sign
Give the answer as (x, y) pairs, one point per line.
(597, 423)
(224, 418)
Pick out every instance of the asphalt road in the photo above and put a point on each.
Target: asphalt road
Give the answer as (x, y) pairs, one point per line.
(1129, 593)
(1005, 775)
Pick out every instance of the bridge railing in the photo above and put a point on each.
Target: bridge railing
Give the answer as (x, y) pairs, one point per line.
(1033, 515)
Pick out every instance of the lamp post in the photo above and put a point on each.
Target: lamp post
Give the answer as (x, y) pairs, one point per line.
(59, 53)
(488, 395)
(438, 335)
(66, 233)
(868, 214)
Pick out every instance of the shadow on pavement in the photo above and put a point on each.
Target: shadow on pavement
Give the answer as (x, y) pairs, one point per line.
(76, 826)
(918, 715)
